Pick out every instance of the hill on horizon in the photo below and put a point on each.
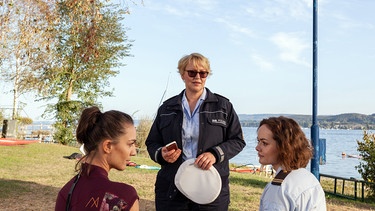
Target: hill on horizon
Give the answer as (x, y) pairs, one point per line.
(341, 121)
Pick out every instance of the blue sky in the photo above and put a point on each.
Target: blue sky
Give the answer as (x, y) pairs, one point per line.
(260, 53)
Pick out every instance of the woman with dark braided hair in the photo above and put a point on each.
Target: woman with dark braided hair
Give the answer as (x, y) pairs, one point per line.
(109, 140)
(283, 144)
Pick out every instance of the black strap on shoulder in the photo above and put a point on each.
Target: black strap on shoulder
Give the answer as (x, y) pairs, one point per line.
(67, 208)
(280, 177)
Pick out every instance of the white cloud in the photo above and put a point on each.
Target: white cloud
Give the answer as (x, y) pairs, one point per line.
(174, 11)
(347, 23)
(280, 10)
(292, 47)
(183, 8)
(236, 27)
(204, 4)
(261, 62)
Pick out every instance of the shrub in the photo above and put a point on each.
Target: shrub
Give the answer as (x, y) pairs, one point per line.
(366, 167)
(143, 129)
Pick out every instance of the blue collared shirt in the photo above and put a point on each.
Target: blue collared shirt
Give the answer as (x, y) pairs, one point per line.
(190, 127)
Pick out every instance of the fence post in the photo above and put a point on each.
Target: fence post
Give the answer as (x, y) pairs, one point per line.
(363, 191)
(335, 186)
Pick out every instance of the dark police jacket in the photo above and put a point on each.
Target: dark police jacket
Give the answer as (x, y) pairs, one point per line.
(220, 133)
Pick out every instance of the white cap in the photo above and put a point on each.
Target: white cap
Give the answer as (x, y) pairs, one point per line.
(200, 186)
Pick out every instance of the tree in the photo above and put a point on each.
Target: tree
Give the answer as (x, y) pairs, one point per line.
(22, 122)
(65, 51)
(24, 43)
(366, 167)
(1, 116)
(90, 42)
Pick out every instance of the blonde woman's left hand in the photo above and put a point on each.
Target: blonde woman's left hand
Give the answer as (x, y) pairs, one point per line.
(205, 160)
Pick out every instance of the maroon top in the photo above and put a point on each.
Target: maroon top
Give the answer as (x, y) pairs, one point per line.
(96, 192)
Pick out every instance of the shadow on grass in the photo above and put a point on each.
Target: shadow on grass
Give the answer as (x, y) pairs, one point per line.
(25, 195)
(16, 188)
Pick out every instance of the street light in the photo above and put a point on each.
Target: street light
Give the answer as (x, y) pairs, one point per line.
(315, 126)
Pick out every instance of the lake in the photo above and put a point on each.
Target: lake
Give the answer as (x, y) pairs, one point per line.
(337, 141)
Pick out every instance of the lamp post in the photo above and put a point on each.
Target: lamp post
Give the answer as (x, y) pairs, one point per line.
(315, 126)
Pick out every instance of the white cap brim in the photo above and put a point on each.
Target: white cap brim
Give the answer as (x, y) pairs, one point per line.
(200, 186)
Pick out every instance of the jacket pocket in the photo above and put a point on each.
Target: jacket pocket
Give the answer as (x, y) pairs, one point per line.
(167, 119)
(217, 118)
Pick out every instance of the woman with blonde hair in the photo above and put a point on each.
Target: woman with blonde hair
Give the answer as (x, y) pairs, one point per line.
(205, 127)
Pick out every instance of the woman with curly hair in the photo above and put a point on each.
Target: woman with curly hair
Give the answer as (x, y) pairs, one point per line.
(283, 144)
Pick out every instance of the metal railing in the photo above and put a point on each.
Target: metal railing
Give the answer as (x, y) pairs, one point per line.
(349, 188)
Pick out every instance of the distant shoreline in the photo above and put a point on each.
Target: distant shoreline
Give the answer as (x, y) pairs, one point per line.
(349, 121)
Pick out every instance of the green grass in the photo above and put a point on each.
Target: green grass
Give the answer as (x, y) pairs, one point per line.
(31, 176)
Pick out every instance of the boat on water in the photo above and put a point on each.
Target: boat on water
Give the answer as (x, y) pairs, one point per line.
(351, 155)
(354, 156)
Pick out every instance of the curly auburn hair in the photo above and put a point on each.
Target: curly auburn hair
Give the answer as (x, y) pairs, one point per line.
(295, 150)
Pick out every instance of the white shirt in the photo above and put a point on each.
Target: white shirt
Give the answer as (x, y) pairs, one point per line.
(300, 190)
